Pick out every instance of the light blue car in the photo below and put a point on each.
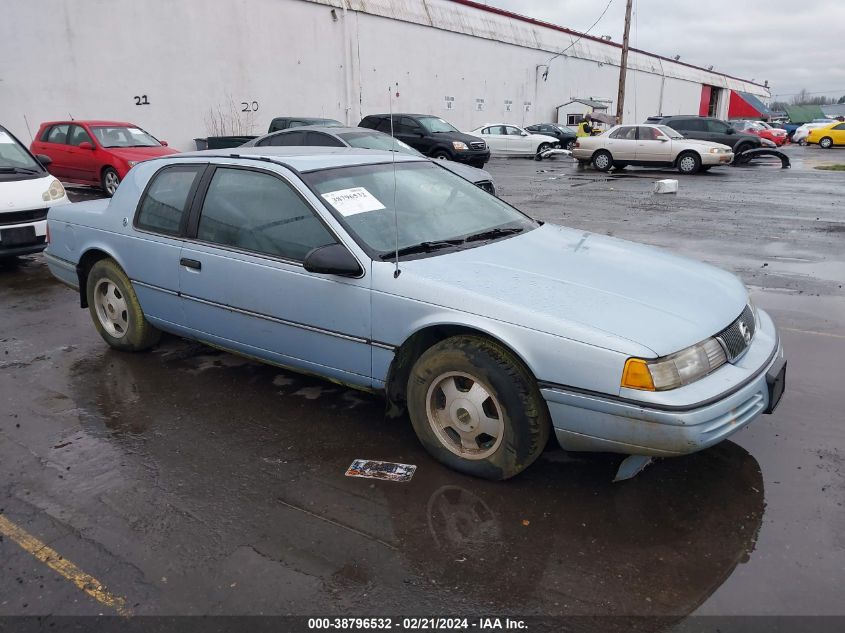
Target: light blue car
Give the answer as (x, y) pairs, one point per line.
(387, 273)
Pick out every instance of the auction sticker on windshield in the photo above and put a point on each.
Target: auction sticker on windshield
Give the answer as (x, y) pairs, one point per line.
(353, 201)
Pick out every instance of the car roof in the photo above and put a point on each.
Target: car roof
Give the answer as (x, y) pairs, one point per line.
(326, 129)
(306, 159)
(90, 122)
(410, 114)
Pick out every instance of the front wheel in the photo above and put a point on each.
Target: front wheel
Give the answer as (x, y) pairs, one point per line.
(441, 155)
(476, 408)
(115, 309)
(602, 160)
(109, 181)
(742, 147)
(570, 144)
(826, 142)
(689, 163)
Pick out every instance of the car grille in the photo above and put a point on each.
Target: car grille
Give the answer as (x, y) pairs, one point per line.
(19, 217)
(738, 335)
(487, 186)
(478, 145)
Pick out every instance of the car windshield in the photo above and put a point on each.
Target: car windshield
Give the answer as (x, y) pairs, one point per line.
(377, 140)
(435, 124)
(14, 158)
(670, 132)
(122, 136)
(433, 205)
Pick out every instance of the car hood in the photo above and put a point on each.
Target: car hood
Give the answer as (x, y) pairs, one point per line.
(473, 174)
(587, 287)
(140, 153)
(456, 136)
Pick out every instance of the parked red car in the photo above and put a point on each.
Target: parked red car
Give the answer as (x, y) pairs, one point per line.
(761, 129)
(96, 153)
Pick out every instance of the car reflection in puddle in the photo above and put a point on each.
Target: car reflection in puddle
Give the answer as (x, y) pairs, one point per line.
(250, 456)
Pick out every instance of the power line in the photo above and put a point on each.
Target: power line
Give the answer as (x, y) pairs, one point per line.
(819, 92)
(580, 37)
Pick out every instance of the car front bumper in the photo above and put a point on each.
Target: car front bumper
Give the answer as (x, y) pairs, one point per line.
(586, 421)
(472, 157)
(13, 247)
(717, 159)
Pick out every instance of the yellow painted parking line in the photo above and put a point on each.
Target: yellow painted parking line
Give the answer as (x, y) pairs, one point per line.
(67, 569)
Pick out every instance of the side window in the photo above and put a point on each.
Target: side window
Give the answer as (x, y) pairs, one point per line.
(645, 133)
(716, 126)
(841, 126)
(689, 125)
(409, 126)
(164, 205)
(319, 139)
(259, 212)
(627, 133)
(78, 135)
(285, 140)
(512, 131)
(57, 134)
(383, 125)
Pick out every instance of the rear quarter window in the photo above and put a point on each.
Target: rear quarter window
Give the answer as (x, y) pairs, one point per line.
(164, 205)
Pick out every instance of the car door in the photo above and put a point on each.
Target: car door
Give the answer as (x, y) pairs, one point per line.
(517, 143)
(495, 138)
(245, 287)
(694, 128)
(412, 133)
(82, 161)
(152, 255)
(622, 143)
(838, 134)
(54, 144)
(652, 145)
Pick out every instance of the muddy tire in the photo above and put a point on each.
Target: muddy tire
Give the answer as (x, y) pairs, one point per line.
(115, 309)
(688, 163)
(476, 408)
(826, 142)
(602, 160)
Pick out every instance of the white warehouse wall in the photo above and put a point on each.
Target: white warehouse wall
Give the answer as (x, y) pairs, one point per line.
(97, 58)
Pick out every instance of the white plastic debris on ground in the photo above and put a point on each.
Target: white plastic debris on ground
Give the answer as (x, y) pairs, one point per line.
(666, 186)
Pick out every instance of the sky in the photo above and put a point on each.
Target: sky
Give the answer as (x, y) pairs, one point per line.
(794, 44)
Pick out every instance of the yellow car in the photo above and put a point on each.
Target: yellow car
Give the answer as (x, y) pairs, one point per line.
(828, 136)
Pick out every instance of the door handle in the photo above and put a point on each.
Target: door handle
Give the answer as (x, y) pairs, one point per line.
(191, 263)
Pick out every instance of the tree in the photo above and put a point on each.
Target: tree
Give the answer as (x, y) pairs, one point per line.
(841, 99)
(778, 106)
(801, 97)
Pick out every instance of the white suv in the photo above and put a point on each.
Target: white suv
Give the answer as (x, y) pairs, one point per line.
(27, 191)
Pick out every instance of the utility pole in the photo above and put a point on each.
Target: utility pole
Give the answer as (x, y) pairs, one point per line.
(623, 67)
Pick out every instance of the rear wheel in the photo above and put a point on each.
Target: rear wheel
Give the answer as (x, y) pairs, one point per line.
(742, 147)
(115, 309)
(602, 160)
(109, 181)
(826, 142)
(689, 163)
(476, 408)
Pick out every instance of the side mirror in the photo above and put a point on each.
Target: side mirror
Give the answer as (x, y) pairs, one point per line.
(44, 159)
(730, 130)
(662, 139)
(163, 143)
(523, 133)
(333, 259)
(85, 145)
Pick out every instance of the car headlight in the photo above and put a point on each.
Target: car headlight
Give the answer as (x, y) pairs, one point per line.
(680, 368)
(54, 192)
(718, 150)
(460, 146)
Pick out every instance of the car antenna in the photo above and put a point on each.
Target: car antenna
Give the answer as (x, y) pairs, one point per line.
(396, 271)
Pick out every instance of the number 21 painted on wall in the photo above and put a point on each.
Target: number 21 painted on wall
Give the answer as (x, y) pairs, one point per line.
(141, 100)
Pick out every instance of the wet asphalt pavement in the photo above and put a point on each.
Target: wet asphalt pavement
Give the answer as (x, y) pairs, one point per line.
(191, 481)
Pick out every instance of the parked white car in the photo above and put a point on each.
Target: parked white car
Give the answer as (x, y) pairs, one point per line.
(27, 191)
(650, 146)
(505, 139)
(800, 135)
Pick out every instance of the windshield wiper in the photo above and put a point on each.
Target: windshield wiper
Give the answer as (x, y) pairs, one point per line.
(423, 247)
(493, 234)
(18, 170)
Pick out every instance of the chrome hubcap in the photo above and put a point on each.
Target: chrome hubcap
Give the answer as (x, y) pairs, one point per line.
(602, 161)
(112, 310)
(464, 415)
(112, 181)
(687, 163)
(825, 143)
